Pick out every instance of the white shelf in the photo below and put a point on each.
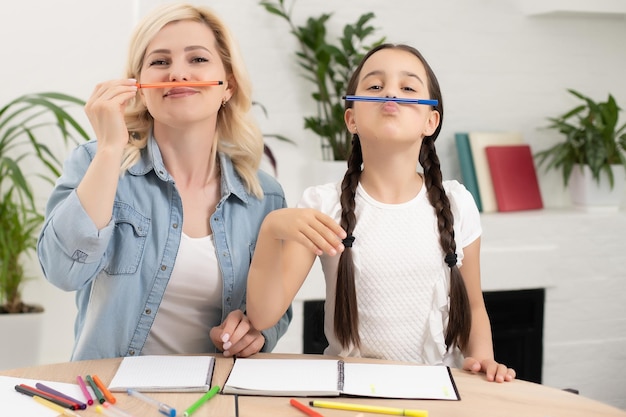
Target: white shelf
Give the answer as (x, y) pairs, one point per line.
(590, 8)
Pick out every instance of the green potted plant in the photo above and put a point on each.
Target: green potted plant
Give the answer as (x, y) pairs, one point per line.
(328, 64)
(592, 158)
(29, 124)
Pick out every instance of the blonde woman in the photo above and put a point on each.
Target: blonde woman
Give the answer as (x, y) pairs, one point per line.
(154, 223)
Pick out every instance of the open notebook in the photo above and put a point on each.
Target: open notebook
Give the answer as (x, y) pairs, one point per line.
(329, 377)
(156, 373)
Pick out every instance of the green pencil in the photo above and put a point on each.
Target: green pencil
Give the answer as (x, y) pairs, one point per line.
(95, 389)
(206, 397)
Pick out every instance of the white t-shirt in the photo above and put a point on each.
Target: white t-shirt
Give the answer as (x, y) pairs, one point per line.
(192, 300)
(401, 278)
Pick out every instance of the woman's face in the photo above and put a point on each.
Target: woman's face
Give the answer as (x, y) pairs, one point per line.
(184, 51)
(392, 73)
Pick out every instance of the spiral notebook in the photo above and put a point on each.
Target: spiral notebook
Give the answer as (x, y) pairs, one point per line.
(156, 373)
(333, 378)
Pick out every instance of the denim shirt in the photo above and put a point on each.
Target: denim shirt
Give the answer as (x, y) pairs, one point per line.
(120, 272)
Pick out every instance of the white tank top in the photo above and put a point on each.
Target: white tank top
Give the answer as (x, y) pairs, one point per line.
(192, 302)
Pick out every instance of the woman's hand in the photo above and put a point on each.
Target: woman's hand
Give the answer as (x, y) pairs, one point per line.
(493, 370)
(105, 110)
(236, 336)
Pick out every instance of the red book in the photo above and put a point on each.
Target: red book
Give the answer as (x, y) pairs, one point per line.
(514, 177)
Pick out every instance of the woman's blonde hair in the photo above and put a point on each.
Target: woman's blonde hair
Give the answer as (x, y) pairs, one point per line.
(238, 135)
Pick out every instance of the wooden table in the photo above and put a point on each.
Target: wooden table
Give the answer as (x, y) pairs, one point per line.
(478, 397)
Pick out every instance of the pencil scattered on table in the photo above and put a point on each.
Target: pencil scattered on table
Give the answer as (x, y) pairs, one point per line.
(104, 390)
(118, 412)
(83, 388)
(49, 390)
(369, 408)
(162, 407)
(95, 389)
(102, 410)
(206, 397)
(306, 410)
(32, 391)
(59, 409)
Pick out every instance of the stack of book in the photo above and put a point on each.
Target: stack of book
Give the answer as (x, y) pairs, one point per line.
(499, 171)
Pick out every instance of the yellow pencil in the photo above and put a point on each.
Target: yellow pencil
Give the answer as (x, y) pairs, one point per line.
(370, 408)
(55, 407)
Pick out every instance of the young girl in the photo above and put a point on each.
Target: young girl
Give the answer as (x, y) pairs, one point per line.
(399, 248)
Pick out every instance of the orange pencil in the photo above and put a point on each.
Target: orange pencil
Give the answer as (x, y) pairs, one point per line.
(306, 410)
(105, 391)
(179, 84)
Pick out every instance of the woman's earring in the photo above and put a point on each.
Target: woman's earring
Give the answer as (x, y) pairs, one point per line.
(224, 102)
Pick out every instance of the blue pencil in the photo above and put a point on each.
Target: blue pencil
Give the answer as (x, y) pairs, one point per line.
(427, 102)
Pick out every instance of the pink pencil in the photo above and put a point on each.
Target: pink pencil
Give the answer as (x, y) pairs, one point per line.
(83, 388)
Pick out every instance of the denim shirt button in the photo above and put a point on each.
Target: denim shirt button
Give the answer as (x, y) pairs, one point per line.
(163, 267)
(131, 352)
(148, 311)
(175, 225)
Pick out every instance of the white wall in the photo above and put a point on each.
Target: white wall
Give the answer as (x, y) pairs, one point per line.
(499, 69)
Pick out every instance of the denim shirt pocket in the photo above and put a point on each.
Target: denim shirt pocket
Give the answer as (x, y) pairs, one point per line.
(128, 240)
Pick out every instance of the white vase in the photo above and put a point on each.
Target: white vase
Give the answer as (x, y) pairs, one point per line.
(587, 194)
(21, 339)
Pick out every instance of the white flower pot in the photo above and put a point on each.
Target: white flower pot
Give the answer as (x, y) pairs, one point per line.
(21, 339)
(589, 195)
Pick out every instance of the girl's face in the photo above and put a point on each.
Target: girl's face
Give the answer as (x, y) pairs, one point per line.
(183, 51)
(392, 73)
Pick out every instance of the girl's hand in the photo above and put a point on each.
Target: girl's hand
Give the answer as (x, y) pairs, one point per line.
(105, 110)
(236, 336)
(493, 370)
(311, 228)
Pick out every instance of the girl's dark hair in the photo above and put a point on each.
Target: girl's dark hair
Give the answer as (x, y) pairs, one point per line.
(346, 314)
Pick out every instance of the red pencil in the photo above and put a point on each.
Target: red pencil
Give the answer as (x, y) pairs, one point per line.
(28, 390)
(52, 391)
(306, 410)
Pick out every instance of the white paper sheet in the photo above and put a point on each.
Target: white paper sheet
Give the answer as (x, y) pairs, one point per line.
(13, 403)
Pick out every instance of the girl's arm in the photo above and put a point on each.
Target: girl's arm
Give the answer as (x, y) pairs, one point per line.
(479, 352)
(289, 240)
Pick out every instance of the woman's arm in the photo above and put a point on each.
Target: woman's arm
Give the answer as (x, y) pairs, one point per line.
(105, 110)
(70, 248)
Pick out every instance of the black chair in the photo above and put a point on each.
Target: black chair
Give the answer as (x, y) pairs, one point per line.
(313, 338)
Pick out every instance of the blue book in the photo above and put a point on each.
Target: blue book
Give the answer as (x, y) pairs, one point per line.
(468, 173)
